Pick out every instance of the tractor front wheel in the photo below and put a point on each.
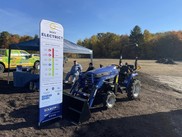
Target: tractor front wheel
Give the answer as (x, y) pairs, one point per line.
(134, 90)
(109, 100)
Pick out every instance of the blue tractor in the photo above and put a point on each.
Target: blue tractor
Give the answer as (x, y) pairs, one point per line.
(100, 86)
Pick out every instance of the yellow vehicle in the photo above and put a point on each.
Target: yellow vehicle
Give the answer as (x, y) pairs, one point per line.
(18, 57)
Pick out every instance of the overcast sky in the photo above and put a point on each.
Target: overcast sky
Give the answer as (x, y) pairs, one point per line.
(84, 18)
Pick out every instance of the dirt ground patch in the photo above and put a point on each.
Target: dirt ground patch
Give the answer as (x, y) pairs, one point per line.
(156, 113)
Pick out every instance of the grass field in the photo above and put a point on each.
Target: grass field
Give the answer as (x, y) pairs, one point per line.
(165, 73)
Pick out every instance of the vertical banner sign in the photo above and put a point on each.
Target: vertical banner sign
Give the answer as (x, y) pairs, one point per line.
(51, 71)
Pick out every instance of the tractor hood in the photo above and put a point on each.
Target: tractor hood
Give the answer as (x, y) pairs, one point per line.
(105, 71)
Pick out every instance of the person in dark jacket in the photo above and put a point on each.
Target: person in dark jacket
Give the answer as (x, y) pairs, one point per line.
(91, 67)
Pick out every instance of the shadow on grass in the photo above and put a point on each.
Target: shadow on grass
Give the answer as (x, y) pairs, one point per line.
(30, 115)
(6, 88)
(168, 124)
(163, 124)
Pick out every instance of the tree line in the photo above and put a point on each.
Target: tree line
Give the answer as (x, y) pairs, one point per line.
(7, 38)
(145, 45)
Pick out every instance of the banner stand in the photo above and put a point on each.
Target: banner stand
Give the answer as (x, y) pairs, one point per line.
(51, 122)
(51, 71)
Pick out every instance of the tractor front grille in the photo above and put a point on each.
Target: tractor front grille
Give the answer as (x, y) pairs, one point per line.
(89, 81)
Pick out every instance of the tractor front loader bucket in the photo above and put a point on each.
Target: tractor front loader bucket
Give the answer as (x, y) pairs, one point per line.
(75, 109)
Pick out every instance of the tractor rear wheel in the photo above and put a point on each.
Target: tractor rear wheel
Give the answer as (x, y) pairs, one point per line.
(134, 90)
(109, 100)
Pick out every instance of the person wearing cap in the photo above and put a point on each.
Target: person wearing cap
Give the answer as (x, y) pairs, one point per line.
(101, 66)
(90, 67)
(74, 72)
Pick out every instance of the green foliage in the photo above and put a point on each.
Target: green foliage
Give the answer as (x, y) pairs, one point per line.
(36, 36)
(169, 45)
(147, 36)
(110, 45)
(136, 36)
(150, 46)
(25, 38)
(103, 45)
(6, 39)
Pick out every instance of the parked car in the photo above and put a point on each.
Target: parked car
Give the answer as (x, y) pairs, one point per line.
(18, 57)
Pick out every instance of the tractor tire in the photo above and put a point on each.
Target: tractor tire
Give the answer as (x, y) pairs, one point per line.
(134, 90)
(109, 100)
(2, 68)
(36, 64)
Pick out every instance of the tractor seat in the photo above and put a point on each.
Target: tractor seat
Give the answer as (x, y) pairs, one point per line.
(124, 70)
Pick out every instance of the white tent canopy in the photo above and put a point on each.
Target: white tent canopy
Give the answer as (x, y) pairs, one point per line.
(70, 47)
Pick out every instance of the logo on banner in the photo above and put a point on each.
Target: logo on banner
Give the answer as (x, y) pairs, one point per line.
(54, 26)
